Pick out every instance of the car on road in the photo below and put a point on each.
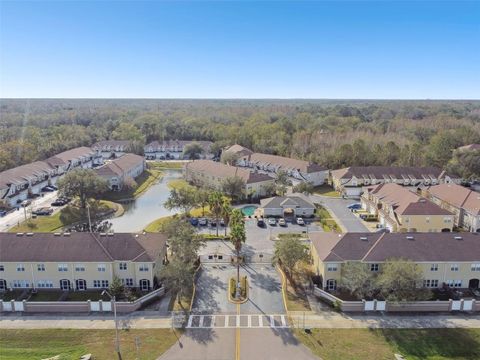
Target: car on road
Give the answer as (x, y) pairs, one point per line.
(43, 211)
(260, 222)
(26, 203)
(355, 206)
(300, 221)
(282, 222)
(48, 189)
(194, 221)
(271, 221)
(202, 222)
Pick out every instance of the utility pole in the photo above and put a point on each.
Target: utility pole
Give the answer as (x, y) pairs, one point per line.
(89, 221)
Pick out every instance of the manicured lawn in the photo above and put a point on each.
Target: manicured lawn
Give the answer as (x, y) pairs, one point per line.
(46, 296)
(144, 181)
(71, 344)
(155, 225)
(178, 184)
(326, 220)
(296, 301)
(414, 344)
(10, 295)
(326, 190)
(160, 165)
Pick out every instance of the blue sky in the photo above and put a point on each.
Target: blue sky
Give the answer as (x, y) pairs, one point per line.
(243, 49)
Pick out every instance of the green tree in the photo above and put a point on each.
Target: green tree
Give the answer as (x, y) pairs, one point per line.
(178, 277)
(193, 151)
(401, 280)
(226, 213)
(116, 287)
(82, 183)
(237, 235)
(358, 279)
(304, 188)
(183, 240)
(215, 201)
(183, 198)
(234, 187)
(202, 198)
(465, 164)
(288, 253)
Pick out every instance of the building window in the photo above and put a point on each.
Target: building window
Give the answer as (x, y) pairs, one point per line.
(122, 266)
(475, 267)
(40, 267)
(331, 284)
(430, 283)
(447, 220)
(453, 267)
(427, 219)
(20, 267)
(127, 282)
(332, 267)
(62, 267)
(143, 268)
(2, 268)
(20, 283)
(103, 284)
(101, 267)
(45, 284)
(374, 267)
(434, 267)
(454, 283)
(79, 267)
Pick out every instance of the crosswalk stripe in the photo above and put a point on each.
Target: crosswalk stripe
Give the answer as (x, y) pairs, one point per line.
(235, 321)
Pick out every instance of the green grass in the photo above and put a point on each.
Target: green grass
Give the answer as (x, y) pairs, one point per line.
(46, 296)
(161, 165)
(326, 190)
(10, 295)
(178, 184)
(378, 344)
(291, 235)
(326, 221)
(71, 344)
(53, 222)
(144, 181)
(296, 301)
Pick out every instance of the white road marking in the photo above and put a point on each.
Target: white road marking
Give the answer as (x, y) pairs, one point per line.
(203, 322)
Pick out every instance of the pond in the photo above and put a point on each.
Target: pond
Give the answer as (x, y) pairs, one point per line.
(148, 207)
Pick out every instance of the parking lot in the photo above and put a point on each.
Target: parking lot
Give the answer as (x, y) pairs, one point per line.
(265, 294)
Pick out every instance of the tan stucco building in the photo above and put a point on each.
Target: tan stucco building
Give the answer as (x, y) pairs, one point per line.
(451, 259)
(80, 261)
(401, 210)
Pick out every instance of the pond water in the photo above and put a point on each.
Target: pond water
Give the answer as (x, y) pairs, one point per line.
(148, 207)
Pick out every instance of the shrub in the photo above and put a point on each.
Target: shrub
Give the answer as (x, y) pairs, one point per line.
(243, 286)
(233, 285)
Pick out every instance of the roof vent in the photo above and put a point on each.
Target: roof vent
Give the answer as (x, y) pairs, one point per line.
(458, 238)
(57, 234)
(29, 234)
(363, 238)
(66, 234)
(410, 237)
(19, 234)
(103, 234)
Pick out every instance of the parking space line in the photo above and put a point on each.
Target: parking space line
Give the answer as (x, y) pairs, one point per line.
(284, 323)
(200, 324)
(226, 320)
(272, 321)
(249, 321)
(260, 320)
(190, 319)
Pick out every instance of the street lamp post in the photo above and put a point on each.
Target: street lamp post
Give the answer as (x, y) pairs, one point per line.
(117, 339)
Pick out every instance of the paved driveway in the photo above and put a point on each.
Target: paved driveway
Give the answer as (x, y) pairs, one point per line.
(265, 290)
(339, 208)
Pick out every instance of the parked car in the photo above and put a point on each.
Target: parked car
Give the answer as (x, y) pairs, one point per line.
(383, 230)
(272, 222)
(48, 189)
(213, 223)
(368, 217)
(300, 221)
(26, 203)
(222, 222)
(260, 222)
(355, 206)
(194, 221)
(43, 211)
(282, 222)
(3, 213)
(58, 202)
(202, 222)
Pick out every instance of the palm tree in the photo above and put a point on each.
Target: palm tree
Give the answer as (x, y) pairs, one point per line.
(237, 235)
(202, 199)
(215, 200)
(226, 213)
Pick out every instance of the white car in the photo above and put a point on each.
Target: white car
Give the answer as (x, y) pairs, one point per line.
(272, 221)
(300, 221)
(282, 222)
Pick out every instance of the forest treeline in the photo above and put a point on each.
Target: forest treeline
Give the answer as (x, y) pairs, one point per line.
(334, 133)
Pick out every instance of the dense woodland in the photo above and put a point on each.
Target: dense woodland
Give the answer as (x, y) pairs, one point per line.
(334, 133)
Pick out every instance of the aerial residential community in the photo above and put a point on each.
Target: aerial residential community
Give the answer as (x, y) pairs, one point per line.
(239, 180)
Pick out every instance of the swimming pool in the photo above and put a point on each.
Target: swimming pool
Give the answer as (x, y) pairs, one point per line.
(249, 210)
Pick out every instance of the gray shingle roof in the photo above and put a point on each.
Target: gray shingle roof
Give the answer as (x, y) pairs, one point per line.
(292, 200)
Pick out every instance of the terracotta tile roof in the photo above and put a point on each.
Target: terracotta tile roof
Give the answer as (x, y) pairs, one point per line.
(224, 171)
(80, 247)
(458, 196)
(420, 247)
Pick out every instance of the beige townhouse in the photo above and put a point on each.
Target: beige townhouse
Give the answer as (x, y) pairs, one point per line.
(111, 149)
(299, 170)
(80, 261)
(174, 149)
(351, 180)
(212, 174)
(117, 171)
(446, 259)
(463, 202)
(399, 209)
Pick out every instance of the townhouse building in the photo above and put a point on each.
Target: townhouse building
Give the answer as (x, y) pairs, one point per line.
(80, 261)
(351, 180)
(400, 209)
(212, 174)
(22, 182)
(446, 259)
(111, 149)
(463, 202)
(291, 206)
(117, 171)
(299, 170)
(174, 149)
